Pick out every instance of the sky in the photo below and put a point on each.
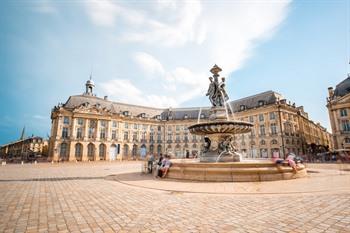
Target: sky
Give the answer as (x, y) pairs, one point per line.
(159, 53)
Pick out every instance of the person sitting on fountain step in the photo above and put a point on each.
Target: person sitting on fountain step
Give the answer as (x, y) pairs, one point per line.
(276, 159)
(167, 164)
(291, 162)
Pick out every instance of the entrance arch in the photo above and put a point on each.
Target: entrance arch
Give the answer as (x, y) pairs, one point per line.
(91, 152)
(63, 152)
(78, 151)
(113, 152)
(102, 151)
(134, 151)
(125, 151)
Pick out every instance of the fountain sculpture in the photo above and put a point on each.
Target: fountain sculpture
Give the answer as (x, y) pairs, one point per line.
(219, 160)
(218, 132)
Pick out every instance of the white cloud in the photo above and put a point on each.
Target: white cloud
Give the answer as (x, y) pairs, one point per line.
(102, 12)
(188, 37)
(148, 63)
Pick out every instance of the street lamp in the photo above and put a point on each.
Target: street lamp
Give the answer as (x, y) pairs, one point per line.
(281, 129)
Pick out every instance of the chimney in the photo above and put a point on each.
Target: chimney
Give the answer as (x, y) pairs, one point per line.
(330, 92)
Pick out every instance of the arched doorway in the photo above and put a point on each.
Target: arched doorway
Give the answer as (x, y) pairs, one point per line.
(91, 152)
(78, 151)
(134, 151)
(113, 152)
(63, 152)
(125, 151)
(102, 151)
(143, 151)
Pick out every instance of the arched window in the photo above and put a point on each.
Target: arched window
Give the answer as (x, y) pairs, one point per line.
(262, 142)
(274, 141)
(78, 151)
(102, 151)
(125, 150)
(91, 151)
(63, 151)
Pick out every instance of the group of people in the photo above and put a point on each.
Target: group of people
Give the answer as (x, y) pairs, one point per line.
(290, 159)
(163, 165)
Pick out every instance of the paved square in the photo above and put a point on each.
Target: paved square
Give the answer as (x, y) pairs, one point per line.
(79, 198)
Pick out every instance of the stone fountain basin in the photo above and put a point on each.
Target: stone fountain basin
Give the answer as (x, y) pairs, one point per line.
(224, 127)
(245, 171)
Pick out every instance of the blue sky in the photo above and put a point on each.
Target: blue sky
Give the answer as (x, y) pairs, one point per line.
(159, 53)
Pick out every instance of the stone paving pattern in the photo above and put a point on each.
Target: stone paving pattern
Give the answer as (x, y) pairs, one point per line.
(77, 198)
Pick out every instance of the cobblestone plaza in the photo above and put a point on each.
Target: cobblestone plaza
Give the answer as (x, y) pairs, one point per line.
(116, 197)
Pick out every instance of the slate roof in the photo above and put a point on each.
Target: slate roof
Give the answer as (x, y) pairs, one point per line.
(343, 88)
(268, 97)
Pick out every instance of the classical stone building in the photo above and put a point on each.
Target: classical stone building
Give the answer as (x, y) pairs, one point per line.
(87, 127)
(338, 104)
(24, 149)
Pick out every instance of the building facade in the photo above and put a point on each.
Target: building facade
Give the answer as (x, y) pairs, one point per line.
(338, 104)
(24, 149)
(87, 127)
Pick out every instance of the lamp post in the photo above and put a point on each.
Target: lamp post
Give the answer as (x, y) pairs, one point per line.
(281, 129)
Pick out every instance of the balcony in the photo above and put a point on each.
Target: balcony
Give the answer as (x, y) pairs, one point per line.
(159, 141)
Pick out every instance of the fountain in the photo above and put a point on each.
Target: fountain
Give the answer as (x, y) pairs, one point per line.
(219, 160)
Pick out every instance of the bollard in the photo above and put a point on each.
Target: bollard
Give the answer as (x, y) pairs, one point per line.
(22, 162)
(35, 162)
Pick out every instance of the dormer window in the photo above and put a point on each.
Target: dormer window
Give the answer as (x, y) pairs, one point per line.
(261, 103)
(158, 117)
(186, 116)
(242, 107)
(202, 115)
(143, 115)
(126, 113)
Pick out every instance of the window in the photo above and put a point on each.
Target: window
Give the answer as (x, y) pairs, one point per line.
(80, 121)
(261, 117)
(126, 125)
(242, 107)
(143, 136)
(126, 135)
(346, 125)
(177, 137)
(114, 124)
(274, 141)
(177, 128)
(103, 123)
(272, 116)
(159, 128)
(151, 136)
(65, 132)
(347, 140)
(103, 133)
(262, 129)
(65, 120)
(170, 136)
(169, 128)
(343, 112)
(251, 119)
(79, 133)
(134, 136)
(64, 150)
(135, 126)
(261, 103)
(262, 142)
(144, 127)
(273, 129)
(159, 137)
(91, 132)
(114, 134)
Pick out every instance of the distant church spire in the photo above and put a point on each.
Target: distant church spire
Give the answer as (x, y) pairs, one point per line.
(23, 133)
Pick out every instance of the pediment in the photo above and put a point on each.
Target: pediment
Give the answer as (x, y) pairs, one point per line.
(92, 109)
